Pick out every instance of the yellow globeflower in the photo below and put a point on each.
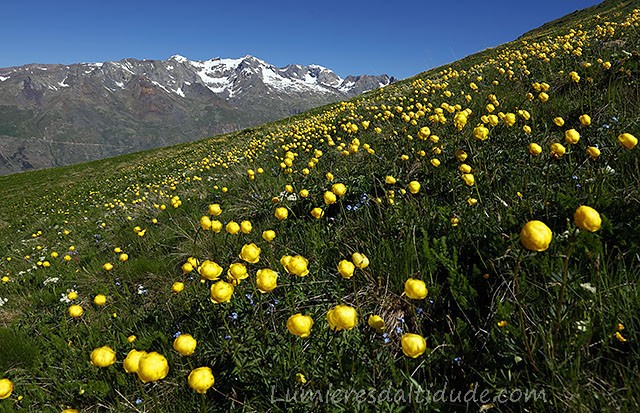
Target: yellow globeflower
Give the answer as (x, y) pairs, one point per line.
(585, 120)
(232, 227)
(187, 267)
(346, 268)
(329, 198)
(152, 367)
(543, 96)
(414, 187)
(461, 155)
(435, 162)
(360, 260)
(300, 325)
(6, 388)
(246, 227)
(100, 300)
(236, 272)
(628, 140)
(415, 289)
(216, 226)
(572, 136)
(469, 179)
(342, 317)
(72, 295)
(209, 270)
(268, 235)
(107, 266)
(558, 150)
(390, 180)
(185, 344)
(250, 253)
(464, 168)
(201, 379)
(76, 311)
(132, 360)
(339, 189)
(509, 119)
(266, 280)
(558, 121)
(536, 236)
(587, 218)
(593, 152)
(177, 287)
(317, 213)
(103, 356)
(281, 213)
(481, 133)
(413, 345)
(215, 210)
(377, 323)
(205, 223)
(297, 265)
(221, 292)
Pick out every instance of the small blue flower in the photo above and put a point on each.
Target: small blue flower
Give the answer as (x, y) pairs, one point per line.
(227, 337)
(138, 400)
(176, 334)
(398, 330)
(457, 360)
(234, 316)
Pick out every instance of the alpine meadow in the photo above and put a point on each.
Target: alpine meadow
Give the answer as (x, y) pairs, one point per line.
(467, 239)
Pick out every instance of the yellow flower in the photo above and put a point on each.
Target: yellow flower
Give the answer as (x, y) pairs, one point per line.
(6, 388)
(390, 180)
(281, 213)
(558, 121)
(209, 270)
(205, 223)
(300, 325)
(187, 267)
(628, 140)
(268, 235)
(72, 295)
(574, 76)
(296, 265)
(201, 379)
(317, 213)
(339, 189)
(543, 96)
(100, 300)
(304, 193)
(558, 150)
(472, 201)
(620, 337)
(103, 356)
(509, 119)
(593, 152)
(461, 155)
(107, 266)
(468, 179)
(266, 280)
(185, 344)
(177, 287)
(413, 345)
(360, 260)
(329, 198)
(300, 378)
(250, 253)
(455, 221)
(132, 360)
(572, 136)
(329, 176)
(232, 227)
(415, 289)
(481, 133)
(237, 272)
(502, 323)
(464, 168)
(342, 317)
(131, 338)
(535, 236)
(246, 227)
(216, 226)
(76, 311)
(435, 162)
(152, 367)
(221, 292)
(414, 187)
(377, 323)
(346, 268)
(587, 218)
(585, 120)
(215, 210)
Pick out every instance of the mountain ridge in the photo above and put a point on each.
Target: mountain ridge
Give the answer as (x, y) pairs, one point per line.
(58, 114)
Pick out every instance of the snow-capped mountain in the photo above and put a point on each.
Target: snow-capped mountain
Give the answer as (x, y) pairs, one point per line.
(60, 114)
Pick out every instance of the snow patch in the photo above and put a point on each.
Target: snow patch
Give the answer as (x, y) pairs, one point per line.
(178, 58)
(120, 85)
(3, 78)
(179, 92)
(63, 83)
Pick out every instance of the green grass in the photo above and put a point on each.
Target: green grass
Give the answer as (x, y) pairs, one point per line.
(500, 321)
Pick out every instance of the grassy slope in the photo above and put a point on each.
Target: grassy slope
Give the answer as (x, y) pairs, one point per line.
(491, 316)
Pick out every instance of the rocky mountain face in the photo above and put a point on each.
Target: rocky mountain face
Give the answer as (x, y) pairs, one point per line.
(53, 115)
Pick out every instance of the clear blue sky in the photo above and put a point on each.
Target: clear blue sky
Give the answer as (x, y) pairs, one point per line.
(399, 38)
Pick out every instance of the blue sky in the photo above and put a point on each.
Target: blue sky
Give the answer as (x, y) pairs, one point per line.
(398, 38)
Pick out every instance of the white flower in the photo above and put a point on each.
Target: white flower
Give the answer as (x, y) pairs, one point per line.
(64, 298)
(3, 301)
(51, 280)
(588, 287)
(582, 325)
